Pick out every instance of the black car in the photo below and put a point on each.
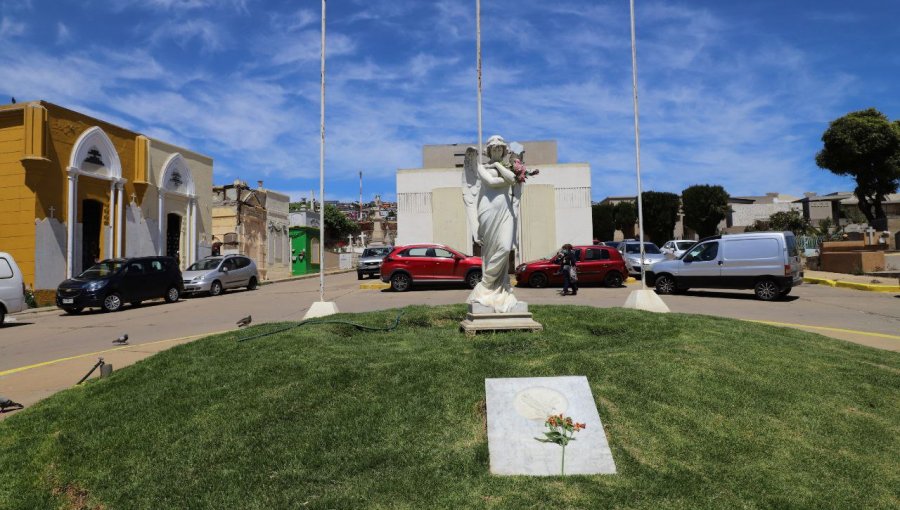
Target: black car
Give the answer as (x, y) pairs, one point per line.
(111, 283)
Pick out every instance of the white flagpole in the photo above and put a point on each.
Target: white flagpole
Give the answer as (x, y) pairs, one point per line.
(322, 173)
(478, 66)
(637, 146)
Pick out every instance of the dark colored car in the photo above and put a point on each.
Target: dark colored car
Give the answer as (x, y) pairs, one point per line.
(429, 263)
(114, 282)
(596, 264)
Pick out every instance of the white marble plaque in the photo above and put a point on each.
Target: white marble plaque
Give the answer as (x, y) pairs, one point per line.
(516, 411)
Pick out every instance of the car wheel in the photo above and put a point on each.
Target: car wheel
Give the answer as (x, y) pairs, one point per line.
(473, 278)
(665, 284)
(359, 276)
(538, 280)
(112, 302)
(613, 279)
(73, 310)
(253, 283)
(215, 288)
(767, 290)
(401, 282)
(172, 294)
(2, 315)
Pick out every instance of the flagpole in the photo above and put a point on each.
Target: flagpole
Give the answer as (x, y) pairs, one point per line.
(637, 146)
(478, 66)
(322, 172)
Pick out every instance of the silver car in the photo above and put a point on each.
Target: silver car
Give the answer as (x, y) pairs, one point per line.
(217, 273)
(677, 247)
(370, 261)
(631, 252)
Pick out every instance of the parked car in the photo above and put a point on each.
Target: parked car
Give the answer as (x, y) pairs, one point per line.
(215, 274)
(631, 251)
(596, 264)
(114, 282)
(408, 265)
(370, 261)
(12, 287)
(767, 262)
(677, 248)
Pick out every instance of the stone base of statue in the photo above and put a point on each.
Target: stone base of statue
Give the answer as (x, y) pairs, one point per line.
(483, 318)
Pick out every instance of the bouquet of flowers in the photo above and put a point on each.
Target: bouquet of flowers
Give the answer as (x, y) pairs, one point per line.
(521, 172)
(560, 430)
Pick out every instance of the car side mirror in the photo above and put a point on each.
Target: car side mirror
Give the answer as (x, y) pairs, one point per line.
(224, 269)
(688, 258)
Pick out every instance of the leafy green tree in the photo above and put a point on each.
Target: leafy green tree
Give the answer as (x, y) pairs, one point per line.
(624, 217)
(337, 225)
(660, 215)
(866, 146)
(603, 216)
(789, 220)
(705, 206)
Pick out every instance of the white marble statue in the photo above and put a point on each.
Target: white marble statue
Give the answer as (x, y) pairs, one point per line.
(488, 196)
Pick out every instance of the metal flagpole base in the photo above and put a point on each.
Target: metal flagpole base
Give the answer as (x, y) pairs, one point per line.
(321, 309)
(647, 300)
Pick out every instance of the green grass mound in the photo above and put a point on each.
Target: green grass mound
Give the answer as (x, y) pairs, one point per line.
(700, 412)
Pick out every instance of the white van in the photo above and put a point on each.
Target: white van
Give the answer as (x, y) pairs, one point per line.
(767, 262)
(12, 287)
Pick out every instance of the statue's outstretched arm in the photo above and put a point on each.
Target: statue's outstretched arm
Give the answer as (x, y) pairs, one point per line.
(505, 173)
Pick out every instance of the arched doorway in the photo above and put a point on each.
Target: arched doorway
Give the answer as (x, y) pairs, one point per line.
(173, 235)
(91, 224)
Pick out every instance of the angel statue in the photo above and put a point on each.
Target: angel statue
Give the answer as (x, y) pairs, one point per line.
(487, 193)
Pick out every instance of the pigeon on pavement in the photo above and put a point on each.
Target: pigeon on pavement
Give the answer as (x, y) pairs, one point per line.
(245, 321)
(122, 340)
(6, 403)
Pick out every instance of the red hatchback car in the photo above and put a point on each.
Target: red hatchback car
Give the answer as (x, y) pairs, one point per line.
(596, 264)
(424, 263)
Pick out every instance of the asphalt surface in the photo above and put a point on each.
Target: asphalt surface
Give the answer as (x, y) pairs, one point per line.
(43, 352)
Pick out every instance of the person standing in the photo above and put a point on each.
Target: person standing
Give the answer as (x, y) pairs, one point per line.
(568, 262)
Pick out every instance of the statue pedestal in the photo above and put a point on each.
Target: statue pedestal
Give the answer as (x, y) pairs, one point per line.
(483, 318)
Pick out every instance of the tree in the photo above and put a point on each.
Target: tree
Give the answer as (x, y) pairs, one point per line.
(337, 225)
(624, 217)
(783, 221)
(603, 216)
(705, 206)
(866, 146)
(660, 215)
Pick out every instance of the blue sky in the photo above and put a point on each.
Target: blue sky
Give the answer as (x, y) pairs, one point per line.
(731, 93)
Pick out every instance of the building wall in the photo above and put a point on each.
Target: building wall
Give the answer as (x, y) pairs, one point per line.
(278, 251)
(452, 155)
(17, 204)
(744, 215)
(425, 215)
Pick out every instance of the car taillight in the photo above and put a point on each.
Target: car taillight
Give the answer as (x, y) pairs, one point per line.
(787, 269)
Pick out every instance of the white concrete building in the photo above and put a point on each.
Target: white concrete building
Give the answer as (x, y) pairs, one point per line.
(556, 204)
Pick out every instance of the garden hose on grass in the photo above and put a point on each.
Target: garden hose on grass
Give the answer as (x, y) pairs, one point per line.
(362, 327)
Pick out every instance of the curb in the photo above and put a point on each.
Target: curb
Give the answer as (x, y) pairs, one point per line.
(871, 287)
(379, 285)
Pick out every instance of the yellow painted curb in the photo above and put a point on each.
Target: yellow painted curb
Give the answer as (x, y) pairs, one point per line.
(630, 280)
(819, 281)
(374, 286)
(871, 287)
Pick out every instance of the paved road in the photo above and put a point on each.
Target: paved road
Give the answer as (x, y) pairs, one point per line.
(45, 338)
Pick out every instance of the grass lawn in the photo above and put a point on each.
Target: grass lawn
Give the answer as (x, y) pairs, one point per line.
(700, 412)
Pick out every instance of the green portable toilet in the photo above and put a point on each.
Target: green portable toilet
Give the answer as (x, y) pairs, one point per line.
(304, 250)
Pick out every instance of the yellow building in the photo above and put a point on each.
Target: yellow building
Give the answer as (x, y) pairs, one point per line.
(129, 194)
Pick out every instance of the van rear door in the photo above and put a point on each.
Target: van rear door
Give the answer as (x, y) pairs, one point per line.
(746, 259)
(793, 257)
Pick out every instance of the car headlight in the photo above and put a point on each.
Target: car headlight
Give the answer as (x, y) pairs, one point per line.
(198, 278)
(520, 268)
(96, 285)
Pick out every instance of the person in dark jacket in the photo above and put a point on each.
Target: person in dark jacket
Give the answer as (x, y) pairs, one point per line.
(567, 263)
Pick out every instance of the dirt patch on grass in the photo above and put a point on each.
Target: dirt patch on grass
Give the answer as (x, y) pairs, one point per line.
(75, 497)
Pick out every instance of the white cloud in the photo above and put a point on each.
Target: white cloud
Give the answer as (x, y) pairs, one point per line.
(63, 35)
(10, 28)
(183, 32)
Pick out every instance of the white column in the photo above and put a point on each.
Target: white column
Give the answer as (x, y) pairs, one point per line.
(71, 219)
(161, 228)
(192, 231)
(120, 186)
(112, 219)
